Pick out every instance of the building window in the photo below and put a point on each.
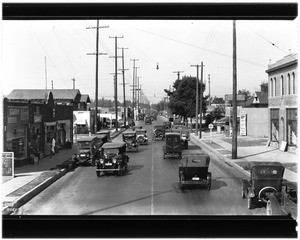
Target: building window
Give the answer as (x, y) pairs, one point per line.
(294, 83)
(271, 89)
(289, 84)
(292, 127)
(274, 125)
(282, 86)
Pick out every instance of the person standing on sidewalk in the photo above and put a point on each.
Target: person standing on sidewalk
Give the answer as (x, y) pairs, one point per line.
(52, 147)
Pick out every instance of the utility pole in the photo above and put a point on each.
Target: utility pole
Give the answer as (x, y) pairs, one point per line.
(52, 84)
(46, 72)
(73, 79)
(138, 93)
(136, 86)
(96, 84)
(234, 92)
(123, 71)
(209, 89)
(178, 73)
(116, 79)
(201, 100)
(197, 97)
(133, 84)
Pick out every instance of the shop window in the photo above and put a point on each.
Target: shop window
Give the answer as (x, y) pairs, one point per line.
(274, 115)
(292, 127)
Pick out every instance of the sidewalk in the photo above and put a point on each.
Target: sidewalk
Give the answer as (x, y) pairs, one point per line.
(249, 149)
(30, 180)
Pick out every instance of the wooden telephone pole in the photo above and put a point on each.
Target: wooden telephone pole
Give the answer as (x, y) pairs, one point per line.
(116, 79)
(234, 92)
(124, 98)
(96, 88)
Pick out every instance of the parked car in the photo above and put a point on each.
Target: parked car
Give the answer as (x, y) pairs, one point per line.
(193, 171)
(148, 120)
(172, 145)
(113, 159)
(141, 135)
(129, 137)
(264, 185)
(87, 147)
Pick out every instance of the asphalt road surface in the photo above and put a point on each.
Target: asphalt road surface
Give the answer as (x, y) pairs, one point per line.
(149, 188)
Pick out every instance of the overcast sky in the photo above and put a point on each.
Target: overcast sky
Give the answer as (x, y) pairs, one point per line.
(174, 45)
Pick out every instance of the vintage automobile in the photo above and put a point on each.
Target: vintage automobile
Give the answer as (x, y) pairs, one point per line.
(141, 135)
(167, 125)
(134, 128)
(172, 145)
(129, 137)
(159, 131)
(264, 186)
(104, 135)
(184, 134)
(112, 159)
(87, 147)
(148, 120)
(193, 171)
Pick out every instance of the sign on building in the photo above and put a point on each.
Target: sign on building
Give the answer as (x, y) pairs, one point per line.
(8, 165)
(243, 123)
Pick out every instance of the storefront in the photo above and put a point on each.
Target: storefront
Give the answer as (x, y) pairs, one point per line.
(274, 116)
(292, 127)
(35, 133)
(50, 132)
(63, 133)
(16, 132)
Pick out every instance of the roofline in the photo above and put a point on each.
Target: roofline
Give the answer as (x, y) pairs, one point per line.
(282, 66)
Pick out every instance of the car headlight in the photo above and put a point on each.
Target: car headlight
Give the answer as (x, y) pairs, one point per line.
(114, 161)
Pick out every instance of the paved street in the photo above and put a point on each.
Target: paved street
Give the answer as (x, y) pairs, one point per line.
(149, 188)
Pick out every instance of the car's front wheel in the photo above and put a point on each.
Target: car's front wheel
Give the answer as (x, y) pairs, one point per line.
(98, 173)
(250, 203)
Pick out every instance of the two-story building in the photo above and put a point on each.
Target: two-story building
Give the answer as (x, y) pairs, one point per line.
(283, 102)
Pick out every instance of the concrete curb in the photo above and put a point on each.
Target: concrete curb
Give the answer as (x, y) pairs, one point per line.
(227, 160)
(42, 186)
(33, 192)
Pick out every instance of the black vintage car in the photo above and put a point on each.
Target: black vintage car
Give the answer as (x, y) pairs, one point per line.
(113, 159)
(87, 147)
(172, 145)
(148, 120)
(193, 171)
(104, 135)
(129, 137)
(265, 186)
(141, 135)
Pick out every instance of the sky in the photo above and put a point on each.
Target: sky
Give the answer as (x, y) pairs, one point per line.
(33, 51)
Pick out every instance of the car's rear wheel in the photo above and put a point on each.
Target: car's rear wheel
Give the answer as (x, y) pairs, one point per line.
(274, 206)
(250, 203)
(208, 181)
(243, 193)
(98, 173)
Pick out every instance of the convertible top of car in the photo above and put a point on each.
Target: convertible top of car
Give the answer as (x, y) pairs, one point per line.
(113, 145)
(172, 134)
(129, 132)
(201, 160)
(141, 130)
(103, 132)
(267, 164)
(87, 138)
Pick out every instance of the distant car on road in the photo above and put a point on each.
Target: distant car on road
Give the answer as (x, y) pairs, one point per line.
(148, 120)
(172, 145)
(141, 135)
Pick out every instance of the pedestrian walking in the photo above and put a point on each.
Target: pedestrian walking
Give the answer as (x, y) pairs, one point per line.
(52, 147)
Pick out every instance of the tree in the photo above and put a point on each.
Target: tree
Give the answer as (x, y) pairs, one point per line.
(246, 93)
(158, 106)
(182, 101)
(216, 114)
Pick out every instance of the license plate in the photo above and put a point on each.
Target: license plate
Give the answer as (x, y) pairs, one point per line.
(108, 164)
(195, 178)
